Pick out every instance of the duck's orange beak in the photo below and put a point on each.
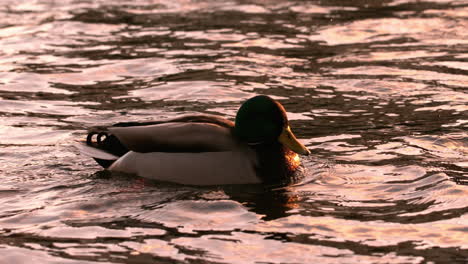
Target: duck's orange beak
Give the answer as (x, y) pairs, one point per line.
(288, 139)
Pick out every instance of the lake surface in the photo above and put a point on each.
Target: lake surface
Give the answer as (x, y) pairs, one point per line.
(375, 89)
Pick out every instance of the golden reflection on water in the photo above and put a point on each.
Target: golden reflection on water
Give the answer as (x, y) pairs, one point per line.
(372, 233)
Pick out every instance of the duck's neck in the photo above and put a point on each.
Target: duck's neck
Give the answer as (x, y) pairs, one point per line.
(276, 163)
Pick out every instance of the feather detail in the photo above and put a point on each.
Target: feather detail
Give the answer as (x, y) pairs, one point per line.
(189, 118)
(175, 137)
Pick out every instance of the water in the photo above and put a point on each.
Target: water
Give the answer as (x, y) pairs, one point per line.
(376, 90)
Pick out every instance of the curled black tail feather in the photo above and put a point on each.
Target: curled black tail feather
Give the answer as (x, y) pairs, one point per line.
(107, 142)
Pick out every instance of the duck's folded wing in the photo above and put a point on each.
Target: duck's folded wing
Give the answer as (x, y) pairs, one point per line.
(188, 118)
(175, 137)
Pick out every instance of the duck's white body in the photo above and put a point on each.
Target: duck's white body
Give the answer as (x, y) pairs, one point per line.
(205, 168)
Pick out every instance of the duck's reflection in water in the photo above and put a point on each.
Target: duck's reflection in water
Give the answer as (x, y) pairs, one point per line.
(270, 203)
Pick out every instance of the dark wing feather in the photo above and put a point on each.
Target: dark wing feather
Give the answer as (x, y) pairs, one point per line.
(101, 138)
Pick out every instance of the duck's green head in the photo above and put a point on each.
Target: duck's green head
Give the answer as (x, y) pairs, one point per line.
(263, 120)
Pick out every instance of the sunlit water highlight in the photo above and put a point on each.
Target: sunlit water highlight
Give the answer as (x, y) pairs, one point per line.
(376, 90)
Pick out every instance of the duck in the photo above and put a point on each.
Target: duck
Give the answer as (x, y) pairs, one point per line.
(258, 147)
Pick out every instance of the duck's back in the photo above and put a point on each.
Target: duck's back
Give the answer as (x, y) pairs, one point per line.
(168, 135)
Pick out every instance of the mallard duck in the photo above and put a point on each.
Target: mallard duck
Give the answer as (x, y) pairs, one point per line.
(259, 147)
